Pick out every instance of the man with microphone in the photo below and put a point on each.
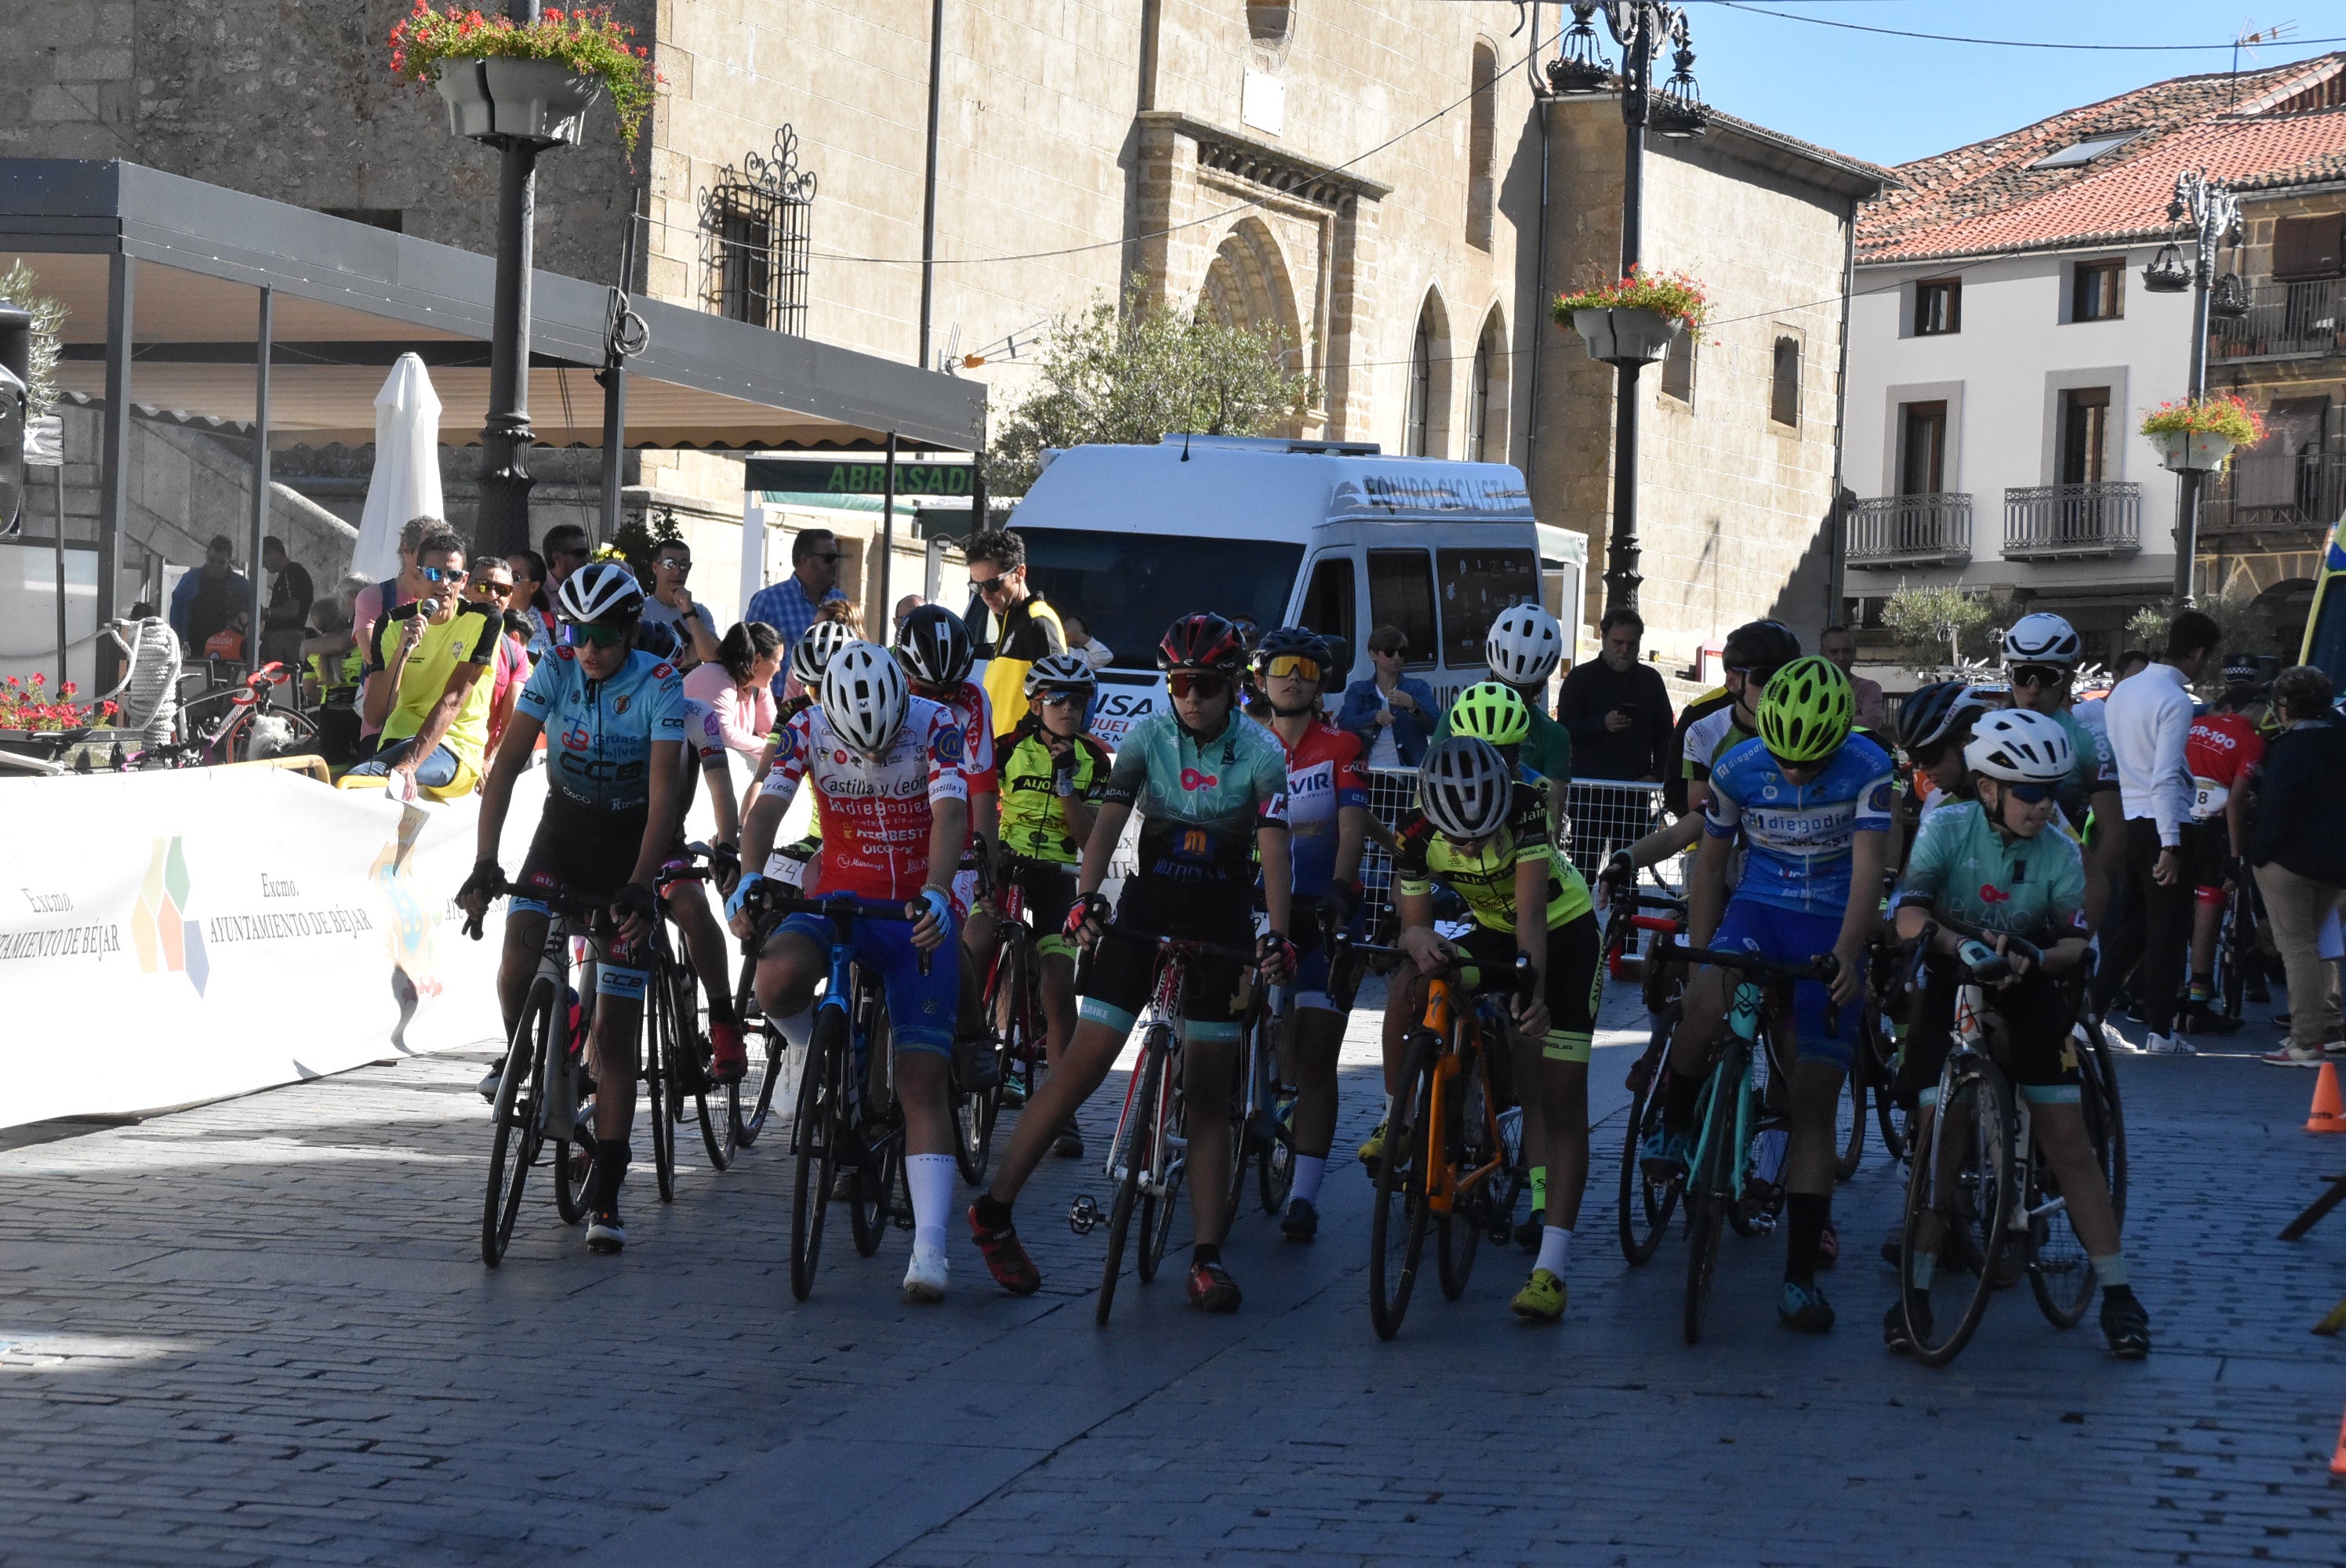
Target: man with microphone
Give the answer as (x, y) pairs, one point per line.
(426, 685)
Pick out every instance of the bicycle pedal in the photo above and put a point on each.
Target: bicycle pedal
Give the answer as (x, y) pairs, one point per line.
(1083, 1214)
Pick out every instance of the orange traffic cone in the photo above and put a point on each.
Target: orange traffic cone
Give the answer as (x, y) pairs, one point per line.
(2329, 1111)
(2338, 1460)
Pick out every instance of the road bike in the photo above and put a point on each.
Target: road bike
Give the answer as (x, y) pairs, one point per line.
(677, 1061)
(1014, 1010)
(1976, 1172)
(764, 1044)
(1453, 1161)
(252, 727)
(543, 1087)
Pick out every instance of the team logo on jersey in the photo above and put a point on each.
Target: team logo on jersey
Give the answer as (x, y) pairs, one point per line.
(1769, 792)
(662, 671)
(619, 703)
(1991, 894)
(786, 744)
(948, 746)
(1879, 799)
(1197, 842)
(566, 653)
(839, 756)
(574, 739)
(1193, 779)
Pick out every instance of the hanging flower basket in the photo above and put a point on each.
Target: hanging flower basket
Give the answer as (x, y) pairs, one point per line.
(1631, 322)
(532, 80)
(2196, 437)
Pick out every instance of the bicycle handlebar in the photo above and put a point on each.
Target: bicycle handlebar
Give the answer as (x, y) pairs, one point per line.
(1522, 977)
(1985, 970)
(1822, 967)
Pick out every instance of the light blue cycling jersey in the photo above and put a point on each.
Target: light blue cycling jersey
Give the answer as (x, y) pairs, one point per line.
(599, 733)
(1800, 835)
(1199, 805)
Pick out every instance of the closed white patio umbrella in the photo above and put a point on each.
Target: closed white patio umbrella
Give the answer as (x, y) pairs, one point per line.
(406, 479)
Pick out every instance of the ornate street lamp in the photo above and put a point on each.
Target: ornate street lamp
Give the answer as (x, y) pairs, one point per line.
(2214, 213)
(1642, 28)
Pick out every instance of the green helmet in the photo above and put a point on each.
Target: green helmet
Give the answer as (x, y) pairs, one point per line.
(1806, 711)
(1492, 712)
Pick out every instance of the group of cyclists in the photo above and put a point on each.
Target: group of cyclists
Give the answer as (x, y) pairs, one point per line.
(1254, 824)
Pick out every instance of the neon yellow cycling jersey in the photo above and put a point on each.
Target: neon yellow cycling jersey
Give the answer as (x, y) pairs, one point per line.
(1485, 876)
(1032, 822)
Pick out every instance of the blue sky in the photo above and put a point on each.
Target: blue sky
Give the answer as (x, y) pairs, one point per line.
(1892, 99)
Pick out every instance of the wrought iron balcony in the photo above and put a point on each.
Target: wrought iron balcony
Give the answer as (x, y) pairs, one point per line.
(1889, 531)
(2060, 521)
(2284, 319)
(2275, 493)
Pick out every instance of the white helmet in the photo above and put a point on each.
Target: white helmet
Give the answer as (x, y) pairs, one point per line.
(599, 591)
(822, 640)
(2042, 638)
(1466, 787)
(1524, 646)
(2020, 746)
(1061, 672)
(865, 697)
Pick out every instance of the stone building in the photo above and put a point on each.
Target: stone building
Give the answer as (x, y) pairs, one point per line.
(1372, 179)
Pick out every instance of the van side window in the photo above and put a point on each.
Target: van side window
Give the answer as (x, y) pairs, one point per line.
(1476, 585)
(1401, 593)
(1328, 602)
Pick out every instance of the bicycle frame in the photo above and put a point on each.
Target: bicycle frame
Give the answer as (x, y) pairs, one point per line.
(1167, 1150)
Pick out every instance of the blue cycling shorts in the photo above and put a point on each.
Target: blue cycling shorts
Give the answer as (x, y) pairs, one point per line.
(1789, 936)
(921, 1008)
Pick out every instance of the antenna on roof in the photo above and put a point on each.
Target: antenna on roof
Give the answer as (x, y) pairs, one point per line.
(2249, 37)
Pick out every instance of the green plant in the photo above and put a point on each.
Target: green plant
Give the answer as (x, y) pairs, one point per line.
(587, 39)
(2223, 415)
(1664, 294)
(639, 539)
(1933, 624)
(1132, 374)
(18, 285)
(2247, 626)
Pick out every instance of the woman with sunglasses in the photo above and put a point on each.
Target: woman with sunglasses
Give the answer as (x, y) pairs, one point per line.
(1211, 786)
(1991, 863)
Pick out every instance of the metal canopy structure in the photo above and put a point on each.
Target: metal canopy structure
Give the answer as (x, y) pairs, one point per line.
(185, 261)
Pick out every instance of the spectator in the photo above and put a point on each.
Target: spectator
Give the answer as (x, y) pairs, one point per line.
(393, 592)
(670, 604)
(1008, 619)
(331, 649)
(426, 691)
(2300, 855)
(1392, 713)
(1616, 708)
(846, 612)
(565, 550)
(2149, 719)
(739, 687)
(492, 584)
(905, 606)
(1080, 640)
(790, 606)
(529, 599)
(2134, 661)
(206, 600)
(1837, 646)
(291, 594)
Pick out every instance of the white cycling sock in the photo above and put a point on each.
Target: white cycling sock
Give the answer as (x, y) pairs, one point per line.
(1309, 1169)
(931, 1179)
(2111, 1270)
(1556, 1249)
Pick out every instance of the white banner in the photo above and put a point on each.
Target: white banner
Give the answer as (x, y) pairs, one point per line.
(173, 937)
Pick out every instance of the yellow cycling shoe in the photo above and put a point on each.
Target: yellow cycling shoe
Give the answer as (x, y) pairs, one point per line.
(1374, 1149)
(1541, 1300)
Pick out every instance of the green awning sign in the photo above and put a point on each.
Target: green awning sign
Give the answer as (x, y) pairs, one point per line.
(858, 476)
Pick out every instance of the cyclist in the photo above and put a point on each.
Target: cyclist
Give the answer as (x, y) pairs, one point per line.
(1053, 775)
(807, 658)
(885, 768)
(1812, 803)
(2040, 657)
(1991, 863)
(614, 719)
(935, 648)
(1211, 786)
(1482, 832)
(2223, 750)
(1328, 827)
(1523, 648)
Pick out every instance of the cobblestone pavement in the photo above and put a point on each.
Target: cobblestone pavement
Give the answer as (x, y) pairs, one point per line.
(259, 1331)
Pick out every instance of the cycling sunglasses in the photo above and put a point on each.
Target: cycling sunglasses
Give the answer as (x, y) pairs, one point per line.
(2038, 674)
(670, 563)
(2029, 794)
(601, 635)
(486, 589)
(1196, 683)
(989, 587)
(1069, 698)
(1286, 665)
(444, 574)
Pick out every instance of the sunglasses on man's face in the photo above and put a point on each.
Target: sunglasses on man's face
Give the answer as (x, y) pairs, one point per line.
(2038, 674)
(601, 635)
(487, 590)
(671, 564)
(444, 574)
(1286, 665)
(580, 554)
(1196, 683)
(829, 560)
(989, 587)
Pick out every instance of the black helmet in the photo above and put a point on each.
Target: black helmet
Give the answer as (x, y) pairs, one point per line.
(1201, 642)
(933, 647)
(1290, 640)
(657, 638)
(1764, 646)
(1933, 711)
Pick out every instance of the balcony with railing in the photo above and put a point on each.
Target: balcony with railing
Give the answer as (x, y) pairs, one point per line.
(1891, 531)
(2284, 321)
(2275, 493)
(2066, 521)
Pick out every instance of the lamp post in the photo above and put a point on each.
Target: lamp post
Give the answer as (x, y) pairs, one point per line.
(1642, 28)
(2214, 213)
(505, 435)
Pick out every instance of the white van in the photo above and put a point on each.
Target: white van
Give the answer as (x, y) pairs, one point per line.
(1332, 535)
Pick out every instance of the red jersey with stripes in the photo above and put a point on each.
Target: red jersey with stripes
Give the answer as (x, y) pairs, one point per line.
(2220, 749)
(874, 816)
(1323, 777)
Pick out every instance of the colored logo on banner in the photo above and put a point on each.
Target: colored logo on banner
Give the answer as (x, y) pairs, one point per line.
(159, 927)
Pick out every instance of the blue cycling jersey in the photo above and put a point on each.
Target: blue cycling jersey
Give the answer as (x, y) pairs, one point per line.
(1800, 835)
(599, 733)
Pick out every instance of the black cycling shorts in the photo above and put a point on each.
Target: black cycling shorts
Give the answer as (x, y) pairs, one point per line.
(1048, 892)
(1575, 981)
(2037, 1012)
(1123, 967)
(2207, 851)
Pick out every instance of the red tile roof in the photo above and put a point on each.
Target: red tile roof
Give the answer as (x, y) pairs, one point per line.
(2283, 125)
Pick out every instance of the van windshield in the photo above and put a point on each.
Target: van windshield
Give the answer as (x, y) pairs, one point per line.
(1128, 587)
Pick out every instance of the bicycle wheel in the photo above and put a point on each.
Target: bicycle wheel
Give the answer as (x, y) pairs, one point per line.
(1880, 1049)
(659, 1038)
(975, 1111)
(875, 1190)
(1135, 1142)
(2060, 1273)
(1157, 1208)
(754, 1096)
(823, 1088)
(1849, 1118)
(1646, 1205)
(2105, 1116)
(1274, 1141)
(1458, 1235)
(514, 1143)
(574, 1168)
(1394, 1257)
(247, 741)
(1965, 1177)
(1709, 1198)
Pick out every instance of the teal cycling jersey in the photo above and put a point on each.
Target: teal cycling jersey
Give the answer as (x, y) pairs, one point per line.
(2092, 770)
(1801, 837)
(599, 733)
(1199, 804)
(1961, 866)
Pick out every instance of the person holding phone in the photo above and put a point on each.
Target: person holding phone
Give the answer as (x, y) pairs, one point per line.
(1616, 708)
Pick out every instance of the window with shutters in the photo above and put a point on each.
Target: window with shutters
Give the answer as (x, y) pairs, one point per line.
(2310, 247)
(2097, 291)
(1938, 307)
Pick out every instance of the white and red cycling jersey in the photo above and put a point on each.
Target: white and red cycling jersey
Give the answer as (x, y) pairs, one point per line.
(972, 712)
(2220, 748)
(873, 816)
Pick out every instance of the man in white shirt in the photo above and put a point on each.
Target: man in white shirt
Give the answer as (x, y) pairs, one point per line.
(2149, 719)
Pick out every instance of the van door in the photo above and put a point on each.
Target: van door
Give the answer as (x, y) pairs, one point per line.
(1330, 597)
(1476, 583)
(1401, 595)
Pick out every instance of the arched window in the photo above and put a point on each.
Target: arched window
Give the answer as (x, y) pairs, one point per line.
(1425, 425)
(1487, 440)
(1481, 146)
(1421, 388)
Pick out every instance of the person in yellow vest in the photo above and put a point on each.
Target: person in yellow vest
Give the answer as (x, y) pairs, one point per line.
(1012, 625)
(428, 685)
